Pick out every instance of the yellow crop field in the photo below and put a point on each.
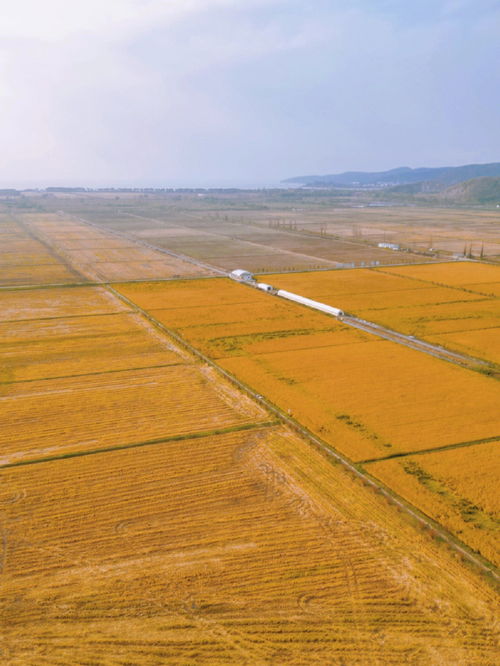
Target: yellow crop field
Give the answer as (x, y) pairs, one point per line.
(57, 302)
(84, 412)
(366, 397)
(456, 274)
(482, 343)
(414, 306)
(488, 288)
(191, 294)
(352, 282)
(376, 398)
(458, 488)
(246, 547)
(78, 345)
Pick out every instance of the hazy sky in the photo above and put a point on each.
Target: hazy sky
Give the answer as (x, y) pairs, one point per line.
(207, 92)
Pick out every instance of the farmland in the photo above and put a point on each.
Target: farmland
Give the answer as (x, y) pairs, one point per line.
(80, 251)
(153, 512)
(273, 231)
(194, 551)
(451, 304)
(367, 398)
(25, 260)
(229, 231)
(455, 487)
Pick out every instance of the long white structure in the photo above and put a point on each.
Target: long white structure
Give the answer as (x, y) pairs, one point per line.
(316, 305)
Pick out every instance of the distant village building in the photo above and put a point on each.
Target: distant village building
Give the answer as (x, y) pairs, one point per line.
(389, 246)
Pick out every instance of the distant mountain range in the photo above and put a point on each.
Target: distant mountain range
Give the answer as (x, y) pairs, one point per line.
(430, 179)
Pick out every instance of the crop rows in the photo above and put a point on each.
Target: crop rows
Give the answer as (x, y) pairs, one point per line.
(455, 487)
(101, 257)
(228, 549)
(368, 398)
(26, 261)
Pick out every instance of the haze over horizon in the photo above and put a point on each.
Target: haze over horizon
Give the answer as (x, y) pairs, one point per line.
(249, 92)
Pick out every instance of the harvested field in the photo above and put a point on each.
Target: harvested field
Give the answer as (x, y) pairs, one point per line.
(194, 552)
(101, 257)
(31, 304)
(366, 397)
(39, 274)
(84, 412)
(458, 488)
(50, 348)
(24, 260)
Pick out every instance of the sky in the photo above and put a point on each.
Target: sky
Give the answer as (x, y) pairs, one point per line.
(204, 93)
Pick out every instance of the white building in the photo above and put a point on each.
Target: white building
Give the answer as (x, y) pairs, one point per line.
(241, 275)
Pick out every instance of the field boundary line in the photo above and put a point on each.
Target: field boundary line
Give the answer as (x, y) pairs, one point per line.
(75, 316)
(487, 297)
(40, 238)
(91, 374)
(248, 242)
(356, 470)
(328, 237)
(139, 243)
(104, 283)
(137, 445)
(438, 449)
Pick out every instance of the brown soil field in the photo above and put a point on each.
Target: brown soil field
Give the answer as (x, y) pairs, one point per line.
(446, 230)
(230, 245)
(454, 316)
(100, 257)
(455, 488)
(245, 548)
(228, 241)
(40, 274)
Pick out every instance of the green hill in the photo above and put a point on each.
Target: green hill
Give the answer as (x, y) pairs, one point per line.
(476, 190)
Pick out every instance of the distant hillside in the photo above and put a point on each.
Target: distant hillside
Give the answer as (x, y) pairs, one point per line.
(477, 190)
(401, 176)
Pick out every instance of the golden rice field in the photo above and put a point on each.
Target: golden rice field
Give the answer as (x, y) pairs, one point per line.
(463, 274)
(367, 397)
(152, 513)
(102, 257)
(50, 348)
(456, 488)
(246, 548)
(453, 301)
(376, 398)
